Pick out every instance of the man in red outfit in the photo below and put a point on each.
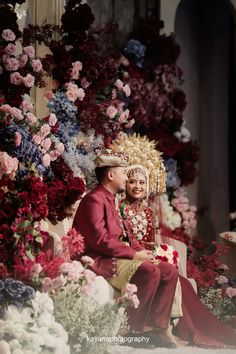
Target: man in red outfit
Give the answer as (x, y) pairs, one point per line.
(98, 220)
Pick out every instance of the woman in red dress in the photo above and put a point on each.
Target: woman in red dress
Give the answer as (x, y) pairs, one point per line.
(197, 325)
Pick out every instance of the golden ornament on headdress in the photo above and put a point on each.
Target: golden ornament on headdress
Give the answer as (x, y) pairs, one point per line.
(143, 151)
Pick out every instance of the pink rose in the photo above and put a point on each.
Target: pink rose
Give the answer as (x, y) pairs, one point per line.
(74, 74)
(88, 260)
(17, 113)
(53, 155)
(12, 64)
(60, 148)
(71, 87)
(44, 130)
(8, 165)
(119, 84)
(77, 65)
(71, 95)
(36, 139)
(135, 301)
(127, 90)
(31, 119)
(48, 95)
(230, 292)
(16, 78)
(36, 65)
(89, 276)
(45, 144)
(80, 94)
(29, 50)
(222, 279)
(113, 94)
(124, 116)
(111, 112)
(85, 83)
(35, 270)
(130, 289)
(57, 282)
(46, 284)
(10, 49)
(23, 60)
(6, 108)
(18, 138)
(26, 106)
(130, 123)
(52, 119)
(8, 35)
(46, 160)
(5, 58)
(29, 80)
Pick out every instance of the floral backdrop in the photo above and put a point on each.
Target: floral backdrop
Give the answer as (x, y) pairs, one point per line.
(46, 165)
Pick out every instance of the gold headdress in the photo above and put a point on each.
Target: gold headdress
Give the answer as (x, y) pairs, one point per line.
(111, 158)
(142, 151)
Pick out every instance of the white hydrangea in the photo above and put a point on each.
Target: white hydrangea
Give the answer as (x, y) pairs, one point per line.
(33, 329)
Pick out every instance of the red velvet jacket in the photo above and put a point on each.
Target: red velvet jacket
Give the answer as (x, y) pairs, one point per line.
(99, 223)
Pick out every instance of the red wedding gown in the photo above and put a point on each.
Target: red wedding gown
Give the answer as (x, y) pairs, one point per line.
(198, 325)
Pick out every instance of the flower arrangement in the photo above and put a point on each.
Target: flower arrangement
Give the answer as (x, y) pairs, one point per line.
(166, 253)
(33, 328)
(85, 319)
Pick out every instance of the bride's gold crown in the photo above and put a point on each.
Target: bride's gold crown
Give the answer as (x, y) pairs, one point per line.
(143, 151)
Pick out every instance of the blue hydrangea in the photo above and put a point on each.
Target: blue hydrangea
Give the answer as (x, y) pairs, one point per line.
(67, 119)
(172, 179)
(27, 152)
(135, 50)
(14, 292)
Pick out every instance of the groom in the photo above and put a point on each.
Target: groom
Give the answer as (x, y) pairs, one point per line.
(98, 220)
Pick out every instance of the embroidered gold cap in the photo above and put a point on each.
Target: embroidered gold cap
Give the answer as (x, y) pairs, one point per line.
(111, 158)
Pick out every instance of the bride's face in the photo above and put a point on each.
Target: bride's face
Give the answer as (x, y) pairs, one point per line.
(136, 186)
